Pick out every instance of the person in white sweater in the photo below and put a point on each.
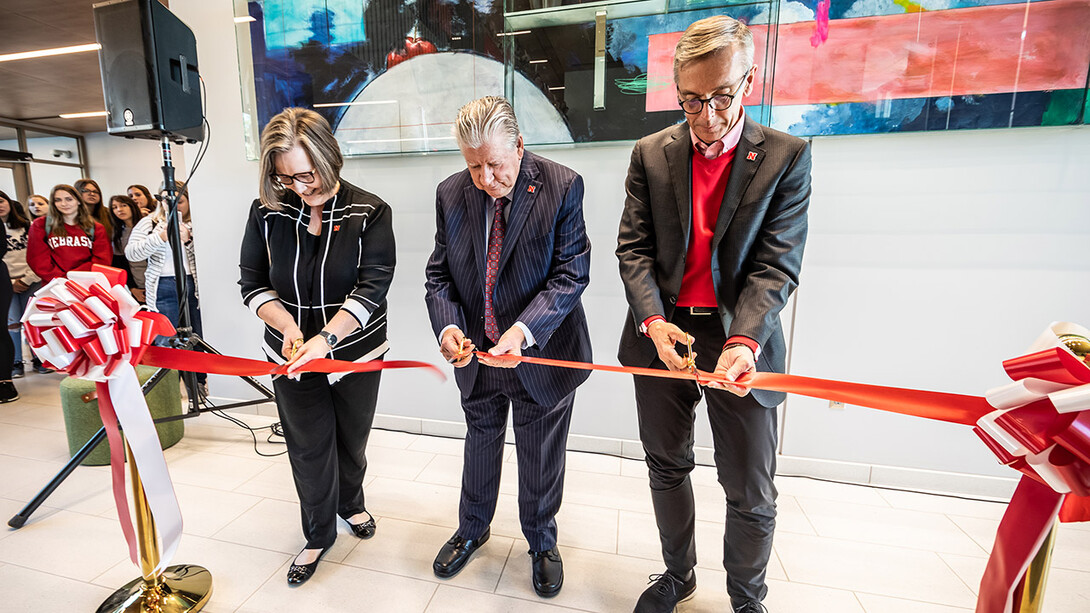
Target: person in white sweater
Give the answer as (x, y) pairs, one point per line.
(148, 241)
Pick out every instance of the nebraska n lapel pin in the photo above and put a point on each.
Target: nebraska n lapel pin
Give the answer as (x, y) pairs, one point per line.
(530, 189)
(752, 155)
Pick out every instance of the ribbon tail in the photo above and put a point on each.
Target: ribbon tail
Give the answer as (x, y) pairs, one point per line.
(942, 406)
(117, 466)
(1023, 529)
(132, 412)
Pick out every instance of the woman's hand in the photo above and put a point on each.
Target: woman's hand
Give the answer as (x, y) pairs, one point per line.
(162, 230)
(313, 349)
(293, 339)
(185, 232)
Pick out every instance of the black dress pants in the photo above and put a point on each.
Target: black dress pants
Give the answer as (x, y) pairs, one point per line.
(541, 437)
(7, 345)
(744, 438)
(326, 429)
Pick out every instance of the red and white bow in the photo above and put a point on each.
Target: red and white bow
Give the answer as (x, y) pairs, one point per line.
(88, 325)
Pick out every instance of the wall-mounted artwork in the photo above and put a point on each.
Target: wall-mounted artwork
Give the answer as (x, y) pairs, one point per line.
(391, 74)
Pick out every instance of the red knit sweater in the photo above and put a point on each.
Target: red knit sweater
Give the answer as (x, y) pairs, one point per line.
(54, 256)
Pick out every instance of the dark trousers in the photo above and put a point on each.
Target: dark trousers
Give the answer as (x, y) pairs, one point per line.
(167, 303)
(744, 437)
(7, 345)
(326, 429)
(541, 437)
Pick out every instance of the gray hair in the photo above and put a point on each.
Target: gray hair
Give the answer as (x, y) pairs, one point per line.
(711, 35)
(485, 118)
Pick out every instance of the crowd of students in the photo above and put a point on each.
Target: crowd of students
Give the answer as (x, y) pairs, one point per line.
(72, 229)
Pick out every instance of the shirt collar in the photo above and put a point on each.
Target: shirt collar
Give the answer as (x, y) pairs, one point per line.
(723, 145)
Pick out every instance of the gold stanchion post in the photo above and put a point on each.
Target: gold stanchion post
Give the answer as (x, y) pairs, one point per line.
(1032, 590)
(177, 589)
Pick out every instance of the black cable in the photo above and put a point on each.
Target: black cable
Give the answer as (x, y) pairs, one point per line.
(274, 430)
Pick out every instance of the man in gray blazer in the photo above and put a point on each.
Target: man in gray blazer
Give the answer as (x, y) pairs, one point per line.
(710, 247)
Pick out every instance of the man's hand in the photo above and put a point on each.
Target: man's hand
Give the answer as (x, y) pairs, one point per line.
(733, 363)
(18, 286)
(665, 334)
(509, 344)
(456, 348)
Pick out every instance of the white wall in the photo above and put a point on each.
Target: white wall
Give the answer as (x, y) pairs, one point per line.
(116, 163)
(931, 258)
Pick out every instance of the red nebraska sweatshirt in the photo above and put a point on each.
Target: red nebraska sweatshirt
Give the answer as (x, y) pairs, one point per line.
(54, 256)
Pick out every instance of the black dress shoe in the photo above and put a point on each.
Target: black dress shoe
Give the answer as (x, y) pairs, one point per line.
(455, 553)
(547, 571)
(298, 574)
(751, 606)
(365, 530)
(665, 591)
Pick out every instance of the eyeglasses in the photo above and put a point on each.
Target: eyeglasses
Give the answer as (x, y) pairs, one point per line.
(720, 102)
(89, 190)
(306, 178)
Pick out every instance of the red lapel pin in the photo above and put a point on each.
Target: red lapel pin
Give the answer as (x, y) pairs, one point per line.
(336, 228)
(530, 189)
(752, 155)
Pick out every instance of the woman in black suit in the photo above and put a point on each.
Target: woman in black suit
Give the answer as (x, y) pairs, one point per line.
(317, 261)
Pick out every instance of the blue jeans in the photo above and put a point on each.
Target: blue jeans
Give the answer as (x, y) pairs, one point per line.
(15, 313)
(166, 302)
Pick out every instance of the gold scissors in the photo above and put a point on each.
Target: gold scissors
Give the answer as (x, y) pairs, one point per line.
(690, 359)
(465, 345)
(295, 346)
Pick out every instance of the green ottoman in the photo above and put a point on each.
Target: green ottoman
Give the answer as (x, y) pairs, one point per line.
(81, 420)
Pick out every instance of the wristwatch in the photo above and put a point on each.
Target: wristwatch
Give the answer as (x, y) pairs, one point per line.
(330, 338)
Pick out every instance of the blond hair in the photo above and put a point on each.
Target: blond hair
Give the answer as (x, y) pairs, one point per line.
(485, 118)
(712, 35)
(311, 132)
(159, 215)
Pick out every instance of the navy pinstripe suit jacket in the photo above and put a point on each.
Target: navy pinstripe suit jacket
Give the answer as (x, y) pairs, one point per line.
(544, 268)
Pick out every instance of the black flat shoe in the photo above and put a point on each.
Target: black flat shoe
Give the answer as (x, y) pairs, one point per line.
(298, 574)
(547, 571)
(365, 530)
(455, 553)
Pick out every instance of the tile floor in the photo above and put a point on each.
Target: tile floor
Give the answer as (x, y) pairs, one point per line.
(838, 548)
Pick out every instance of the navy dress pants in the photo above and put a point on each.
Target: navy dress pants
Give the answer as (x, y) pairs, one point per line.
(541, 437)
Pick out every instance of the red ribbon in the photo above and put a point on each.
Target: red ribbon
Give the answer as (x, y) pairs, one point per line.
(1038, 426)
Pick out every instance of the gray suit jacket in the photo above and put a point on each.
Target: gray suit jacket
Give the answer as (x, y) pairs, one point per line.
(756, 248)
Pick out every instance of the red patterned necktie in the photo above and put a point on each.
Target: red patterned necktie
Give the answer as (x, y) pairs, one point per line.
(495, 243)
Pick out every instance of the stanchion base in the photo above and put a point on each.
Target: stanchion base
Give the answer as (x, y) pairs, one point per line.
(181, 588)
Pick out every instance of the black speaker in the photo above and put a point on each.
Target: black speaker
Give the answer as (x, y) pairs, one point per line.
(149, 71)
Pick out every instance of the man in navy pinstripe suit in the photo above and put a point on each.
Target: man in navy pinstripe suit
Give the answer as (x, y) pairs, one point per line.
(511, 260)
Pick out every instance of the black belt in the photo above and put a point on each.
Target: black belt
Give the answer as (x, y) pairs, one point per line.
(698, 310)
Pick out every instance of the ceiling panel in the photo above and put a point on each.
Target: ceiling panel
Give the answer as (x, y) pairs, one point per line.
(39, 89)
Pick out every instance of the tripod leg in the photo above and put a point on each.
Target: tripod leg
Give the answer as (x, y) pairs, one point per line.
(254, 383)
(20, 518)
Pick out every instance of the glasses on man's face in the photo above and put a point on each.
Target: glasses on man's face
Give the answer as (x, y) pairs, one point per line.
(306, 178)
(719, 102)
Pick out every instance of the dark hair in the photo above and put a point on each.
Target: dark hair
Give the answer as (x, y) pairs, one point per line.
(54, 221)
(146, 192)
(98, 212)
(119, 226)
(17, 218)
